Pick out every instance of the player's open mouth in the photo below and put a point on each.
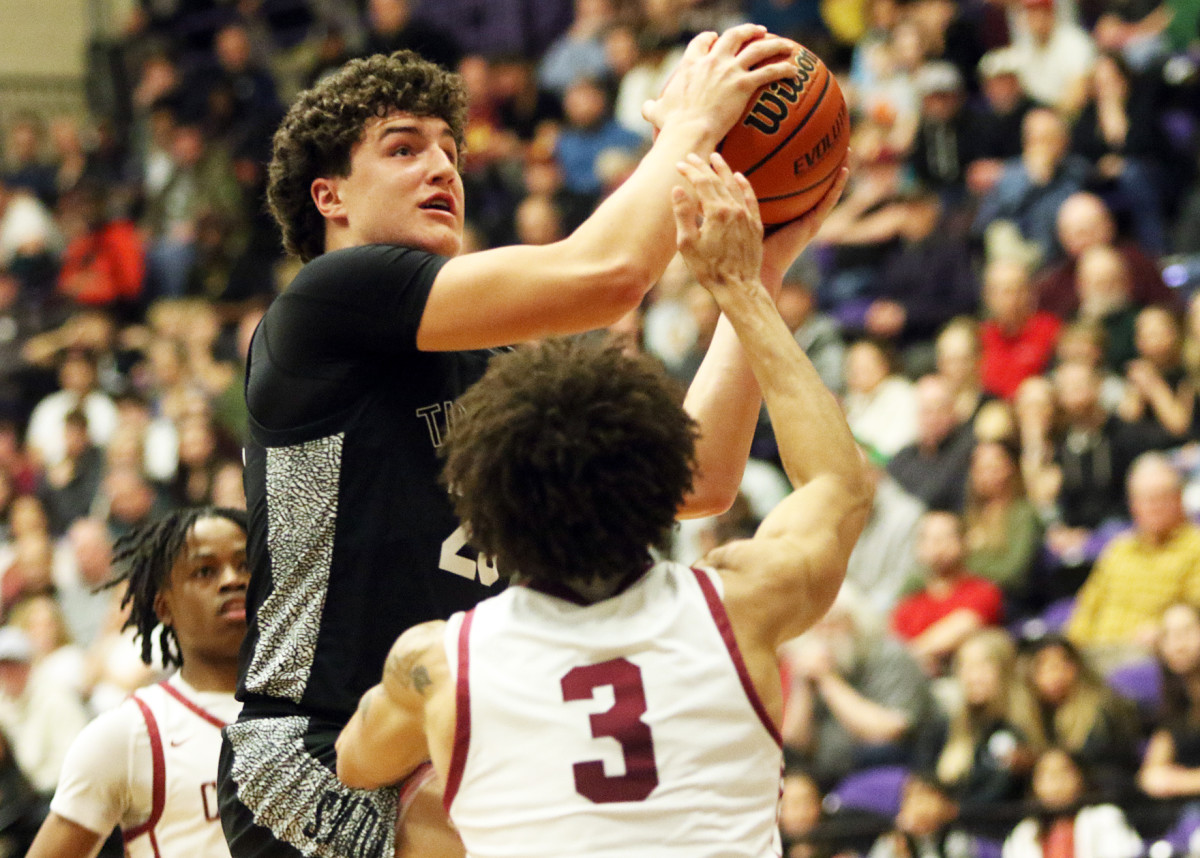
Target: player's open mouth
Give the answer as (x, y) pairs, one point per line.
(439, 203)
(233, 609)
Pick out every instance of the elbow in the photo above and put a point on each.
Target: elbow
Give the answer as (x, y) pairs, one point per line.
(351, 775)
(623, 288)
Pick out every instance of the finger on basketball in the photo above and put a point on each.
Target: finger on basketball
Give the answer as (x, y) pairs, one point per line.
(724, 174)
(749, 196)
(735, 38)
(767, 48)
(771, 72)
(700, 45)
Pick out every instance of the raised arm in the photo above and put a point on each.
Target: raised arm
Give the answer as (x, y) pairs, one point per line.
(782, 580)
(604, 268)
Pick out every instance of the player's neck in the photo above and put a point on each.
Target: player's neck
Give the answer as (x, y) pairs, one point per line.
(207, 674)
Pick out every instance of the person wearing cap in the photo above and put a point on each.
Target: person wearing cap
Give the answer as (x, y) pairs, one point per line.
(998, 118)
(40, 718)
(943, 143)
(1053, 57)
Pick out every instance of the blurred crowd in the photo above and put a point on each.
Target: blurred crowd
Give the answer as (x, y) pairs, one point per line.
(1002, 299)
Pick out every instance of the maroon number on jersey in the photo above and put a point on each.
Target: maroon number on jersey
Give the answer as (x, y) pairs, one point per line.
(623, 722)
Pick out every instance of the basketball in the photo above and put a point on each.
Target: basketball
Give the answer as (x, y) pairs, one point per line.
(790, 141)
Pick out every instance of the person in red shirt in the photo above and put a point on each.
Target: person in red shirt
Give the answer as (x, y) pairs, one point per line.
(953, 603)
(1018, 339)
(104, 262)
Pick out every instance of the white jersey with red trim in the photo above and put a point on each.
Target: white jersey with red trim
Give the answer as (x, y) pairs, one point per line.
(622, 729)
(150, 766)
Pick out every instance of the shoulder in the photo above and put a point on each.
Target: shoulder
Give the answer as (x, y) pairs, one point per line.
(345, 269)
(417, 657)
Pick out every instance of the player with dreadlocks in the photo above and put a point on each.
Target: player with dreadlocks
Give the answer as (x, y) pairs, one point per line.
(150, 765)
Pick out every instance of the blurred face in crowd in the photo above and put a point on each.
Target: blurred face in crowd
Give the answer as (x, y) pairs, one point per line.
(1077, 386)
(1156, 335)
(1083, 221)
(1003, 91)
(1180, 640)
(1102, 279)
(924, 809)
(978, 672)
(1054, 674)
(1007, 294)
(799, 806)
(940, 543)
(585, 104)
(866, 367)
(1044, 131)
(232, 46)
(1034, 402)
(992, 470)
(1039, 18)
(1057, 780)
(957, 357)
(935, 411)
(1155, 499)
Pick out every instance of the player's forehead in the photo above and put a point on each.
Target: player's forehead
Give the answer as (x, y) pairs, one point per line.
(378, 128)
(212, 536)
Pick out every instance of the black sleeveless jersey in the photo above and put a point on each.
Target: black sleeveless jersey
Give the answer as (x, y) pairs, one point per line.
(352, 539)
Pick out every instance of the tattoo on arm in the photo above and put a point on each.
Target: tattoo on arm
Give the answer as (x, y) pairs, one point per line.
(420, 679)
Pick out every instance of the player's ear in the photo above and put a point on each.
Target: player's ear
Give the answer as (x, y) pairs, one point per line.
(162, 607)
(326, 196)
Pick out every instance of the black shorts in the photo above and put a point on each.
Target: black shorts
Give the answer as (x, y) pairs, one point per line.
(280, 797)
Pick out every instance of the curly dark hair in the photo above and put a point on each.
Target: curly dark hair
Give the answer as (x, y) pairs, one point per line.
(143, 559)
(325, 122)
(568, 460)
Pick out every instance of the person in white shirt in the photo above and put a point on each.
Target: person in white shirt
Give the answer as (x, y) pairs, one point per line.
(150, 765)
(567, 461)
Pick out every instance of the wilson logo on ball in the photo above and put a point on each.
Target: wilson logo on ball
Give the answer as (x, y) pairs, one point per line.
(770, 110)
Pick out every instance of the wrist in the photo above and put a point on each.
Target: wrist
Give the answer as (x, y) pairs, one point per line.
(689, 133)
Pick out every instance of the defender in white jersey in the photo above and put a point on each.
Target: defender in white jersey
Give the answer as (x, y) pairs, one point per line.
(150, 765)
(607, 707)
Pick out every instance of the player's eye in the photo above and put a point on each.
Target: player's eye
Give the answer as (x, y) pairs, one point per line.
(206, 570)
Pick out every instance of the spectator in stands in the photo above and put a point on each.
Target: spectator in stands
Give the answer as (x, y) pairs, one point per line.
(884, 559)
(56, 657)
(104, 262)
(983, 750)
(998, 120)
(1083, 716)
(589, 131)
(1119, 131)
(1017, 339)
(1171, 765)
(1105, 298)
(1139, 574)
(1032, 187)
(41, 718)
(952, 604)
(926, 280)
(1085, 221)
(578, 53)
(200, 182)
(958, 357)
(1003, 531)
(945, 138)
(243, 101)
(880, 404)
(856, 695)
(90, 552)
(69, 487)
(800, 811)
(924, 824)
(1067, 819)
(29, 240)
(131, 500)
(1160, 397)
(1035, 413)
(1054, 56)
(26, 165)
(1090, 461)
(934, 467)
(391, 27)
(46, 437)
(1085, 341)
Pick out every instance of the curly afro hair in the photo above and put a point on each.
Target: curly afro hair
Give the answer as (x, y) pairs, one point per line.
(325, 122)
(568, 460)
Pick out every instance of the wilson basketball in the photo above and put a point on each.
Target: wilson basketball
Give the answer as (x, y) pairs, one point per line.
(791, 140)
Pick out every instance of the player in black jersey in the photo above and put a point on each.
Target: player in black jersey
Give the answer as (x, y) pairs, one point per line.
(352, 378)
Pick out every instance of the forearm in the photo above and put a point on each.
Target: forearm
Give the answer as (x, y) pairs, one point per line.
(944, 636)
(797, 730)
(724, 399)
(634, 227)
(863, 718)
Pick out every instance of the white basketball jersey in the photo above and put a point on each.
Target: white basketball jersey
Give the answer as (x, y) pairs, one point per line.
(185, 742)
(622, 729)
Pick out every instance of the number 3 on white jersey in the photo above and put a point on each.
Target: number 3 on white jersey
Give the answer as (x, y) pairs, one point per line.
(452, 561)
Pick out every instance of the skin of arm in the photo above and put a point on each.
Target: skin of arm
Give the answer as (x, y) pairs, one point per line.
(783, 579)
(604, 268)
(61, 838)
(386, 740)
(941, 639)
(862, 717)
(1162, 777)
(724, 396)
